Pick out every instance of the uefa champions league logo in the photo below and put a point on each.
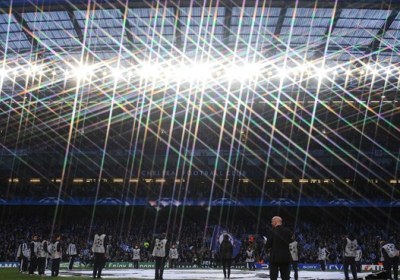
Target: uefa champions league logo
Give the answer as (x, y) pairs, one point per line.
(99, 243)
(221, 237)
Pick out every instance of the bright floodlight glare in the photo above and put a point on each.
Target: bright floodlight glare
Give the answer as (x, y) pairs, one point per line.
(233, 72)
(181, 72)
(373, 69)
(243, 72)
(148, 70)
(30, 69)
(283, 72)
(83, 71)
(321, 73)
(117, 73)
(302, 68)
(35, 68)
(253, 69)
(201, 71)
(3, 72)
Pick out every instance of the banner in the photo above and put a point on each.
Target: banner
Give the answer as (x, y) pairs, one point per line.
(372, 267)
(218, 236)
(217, 202)
(9, 264)
(331, 267)
(150, 265)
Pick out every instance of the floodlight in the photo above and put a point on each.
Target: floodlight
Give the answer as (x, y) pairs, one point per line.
(117, 73)
(321, 73)
(302, 68)
(373, 69)
(283, 72)
(148, 70)
(252, 69)
(201, 71)
(83, 71)
(3, 72)
(180, 73)
(243, 72)
(233, 72)
(34, 68)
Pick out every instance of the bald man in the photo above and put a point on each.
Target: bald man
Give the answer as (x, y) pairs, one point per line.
(278, 244)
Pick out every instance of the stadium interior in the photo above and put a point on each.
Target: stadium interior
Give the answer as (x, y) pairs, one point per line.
(145, 116)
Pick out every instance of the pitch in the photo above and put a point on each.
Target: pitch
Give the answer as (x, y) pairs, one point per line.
(202, 274)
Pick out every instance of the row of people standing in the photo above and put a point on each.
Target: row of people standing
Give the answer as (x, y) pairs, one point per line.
(283, 252)
(39, 250)
(35, 256)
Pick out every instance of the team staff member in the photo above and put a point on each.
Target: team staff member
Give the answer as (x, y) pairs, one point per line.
(136, 256)
(350, 246)
(278, 244)
(159, 254)
(23, 256)
(99, 252)
(72, 252)
(42, 253)
(56, 254)
(226, 254)
(323, 255)
(33, 254)
(173, 256)
(294, 253)
(390, 259)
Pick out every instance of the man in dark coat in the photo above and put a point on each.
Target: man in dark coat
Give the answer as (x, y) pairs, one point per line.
(226, 254)
(278, 244)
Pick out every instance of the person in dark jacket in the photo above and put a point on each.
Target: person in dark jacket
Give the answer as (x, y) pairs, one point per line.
(278, 244)
(226, 254)
(33, 254)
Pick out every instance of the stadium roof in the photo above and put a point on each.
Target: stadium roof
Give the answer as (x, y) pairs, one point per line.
(338, 35)
(341, 30)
